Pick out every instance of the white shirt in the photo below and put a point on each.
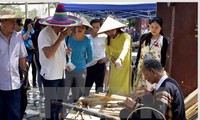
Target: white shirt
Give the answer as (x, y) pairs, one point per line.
(98, 48)
(157, 40)
(9, 61)
(52, 68)
(161, 81)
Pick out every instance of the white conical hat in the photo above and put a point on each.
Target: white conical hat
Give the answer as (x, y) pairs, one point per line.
(110, 24)
(85, 22)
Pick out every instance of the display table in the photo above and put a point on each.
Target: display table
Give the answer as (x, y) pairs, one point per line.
(95, 107)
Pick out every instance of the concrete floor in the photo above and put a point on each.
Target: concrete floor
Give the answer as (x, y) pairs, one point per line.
(35, 108)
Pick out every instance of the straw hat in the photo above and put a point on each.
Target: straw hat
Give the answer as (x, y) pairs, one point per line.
(86, 23)
(61, 18)
(110, 24)
(7, 13)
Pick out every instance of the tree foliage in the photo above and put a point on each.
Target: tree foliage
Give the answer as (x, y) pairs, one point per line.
(32, 13)
(131, 22)
(14, 7)
(18, 10)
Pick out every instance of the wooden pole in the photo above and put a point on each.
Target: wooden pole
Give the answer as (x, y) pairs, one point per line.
(26, 10)
(48, 9)
(87, 111)
(171, 40)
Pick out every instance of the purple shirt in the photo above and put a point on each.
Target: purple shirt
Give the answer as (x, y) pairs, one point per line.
(9, 60)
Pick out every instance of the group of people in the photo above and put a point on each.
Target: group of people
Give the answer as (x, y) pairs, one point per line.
(81, 59)
(69, 59)
(155, 95)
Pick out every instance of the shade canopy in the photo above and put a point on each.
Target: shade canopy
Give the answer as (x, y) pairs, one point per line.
(120, 10)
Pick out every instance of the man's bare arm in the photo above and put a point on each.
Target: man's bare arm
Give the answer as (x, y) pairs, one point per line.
(23, 64)
(50, 51)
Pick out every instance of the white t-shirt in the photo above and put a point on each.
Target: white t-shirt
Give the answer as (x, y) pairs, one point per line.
(98, 48)
(52, 68)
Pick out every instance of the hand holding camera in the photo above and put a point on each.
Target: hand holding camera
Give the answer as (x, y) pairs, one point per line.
(65, 32)
(30, 26)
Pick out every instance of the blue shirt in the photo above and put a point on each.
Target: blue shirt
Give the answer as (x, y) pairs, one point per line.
(82, 52)
(28, 42)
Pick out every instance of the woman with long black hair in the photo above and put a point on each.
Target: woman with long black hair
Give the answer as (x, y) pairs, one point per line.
(118, 52)
(152, 45)
(28, 33)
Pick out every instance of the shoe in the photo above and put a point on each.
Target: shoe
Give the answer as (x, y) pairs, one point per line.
(105, 91)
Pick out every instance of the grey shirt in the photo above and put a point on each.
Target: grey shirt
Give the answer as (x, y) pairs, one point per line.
(10, 52)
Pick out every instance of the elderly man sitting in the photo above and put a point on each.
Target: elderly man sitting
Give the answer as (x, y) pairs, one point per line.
(164, 102)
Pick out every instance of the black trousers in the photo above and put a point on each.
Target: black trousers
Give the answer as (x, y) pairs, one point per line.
(32, 63)
(95, 74)
(24, 101)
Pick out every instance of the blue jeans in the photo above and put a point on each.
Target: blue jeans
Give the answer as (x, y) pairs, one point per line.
(10, 105)
(53, 90)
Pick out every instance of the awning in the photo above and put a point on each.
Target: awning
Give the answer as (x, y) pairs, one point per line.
(100, 10)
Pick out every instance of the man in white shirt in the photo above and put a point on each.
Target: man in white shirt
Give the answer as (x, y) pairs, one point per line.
(96, 68)
(12, 57)
(52, 57)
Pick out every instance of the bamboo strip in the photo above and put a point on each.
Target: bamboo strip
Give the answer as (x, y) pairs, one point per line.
(191, 99)
(190, 112)
(113, 113)
(114, 109)
(111, 96)
(192, 107)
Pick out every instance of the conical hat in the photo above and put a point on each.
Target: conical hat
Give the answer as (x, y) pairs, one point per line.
(86, 23)
(110, 24)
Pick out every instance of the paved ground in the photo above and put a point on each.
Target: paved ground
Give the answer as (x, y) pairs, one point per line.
(35, 107)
